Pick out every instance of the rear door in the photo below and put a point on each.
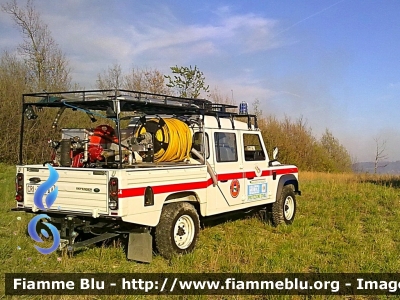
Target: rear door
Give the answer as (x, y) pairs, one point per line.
(228, 166)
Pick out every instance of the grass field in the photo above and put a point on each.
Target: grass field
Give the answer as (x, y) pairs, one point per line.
(344, 223)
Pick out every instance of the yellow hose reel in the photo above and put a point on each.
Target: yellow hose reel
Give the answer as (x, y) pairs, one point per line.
(172, 139)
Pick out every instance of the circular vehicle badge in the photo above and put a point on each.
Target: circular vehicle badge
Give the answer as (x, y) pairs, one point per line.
(235, 188)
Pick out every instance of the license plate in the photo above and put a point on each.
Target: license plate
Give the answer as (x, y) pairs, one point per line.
(31, 188)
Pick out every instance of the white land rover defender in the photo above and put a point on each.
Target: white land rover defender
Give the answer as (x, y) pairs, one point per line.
(178, 161)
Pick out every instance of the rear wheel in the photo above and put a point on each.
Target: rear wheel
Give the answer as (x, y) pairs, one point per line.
(178, 229)
(284, 209)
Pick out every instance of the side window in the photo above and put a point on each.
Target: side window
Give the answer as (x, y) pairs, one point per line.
(225, 147)
(252, 147)
(197, 144)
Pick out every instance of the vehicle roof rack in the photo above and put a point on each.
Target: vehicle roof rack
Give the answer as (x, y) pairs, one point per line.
(133, 101)
(129, 101)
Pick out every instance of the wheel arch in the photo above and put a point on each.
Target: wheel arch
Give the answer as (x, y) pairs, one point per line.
(185, 196)
(288, 179)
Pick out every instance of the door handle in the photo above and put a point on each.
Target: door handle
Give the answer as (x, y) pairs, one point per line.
(224, 180)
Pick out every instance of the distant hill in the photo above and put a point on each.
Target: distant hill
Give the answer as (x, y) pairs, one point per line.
(384, 167)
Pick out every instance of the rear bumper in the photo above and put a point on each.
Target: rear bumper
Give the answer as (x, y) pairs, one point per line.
(63, 213)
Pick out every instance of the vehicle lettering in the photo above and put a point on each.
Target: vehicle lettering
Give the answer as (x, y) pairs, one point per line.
(83, 189)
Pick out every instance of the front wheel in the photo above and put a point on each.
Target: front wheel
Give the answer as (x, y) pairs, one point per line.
(284, 209)
(178, 229)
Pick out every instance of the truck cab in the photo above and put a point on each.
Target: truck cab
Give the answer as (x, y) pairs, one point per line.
(240, 160)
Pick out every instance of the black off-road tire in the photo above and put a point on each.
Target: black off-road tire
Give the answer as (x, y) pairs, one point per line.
(284, 209)
(178, 229)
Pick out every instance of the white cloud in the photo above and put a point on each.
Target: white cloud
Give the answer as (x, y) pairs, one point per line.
(246, 32)
(250, 33)
(94, 37)
(98, 39)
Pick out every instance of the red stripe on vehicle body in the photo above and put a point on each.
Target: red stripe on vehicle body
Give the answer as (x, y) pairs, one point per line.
(177, 187)
(229, 176)
(168, 188)
(189, 186)
(279, 171)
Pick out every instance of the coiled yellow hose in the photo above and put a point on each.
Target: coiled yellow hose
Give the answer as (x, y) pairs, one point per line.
(177, 135)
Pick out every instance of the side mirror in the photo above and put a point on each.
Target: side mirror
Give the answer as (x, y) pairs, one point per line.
(275, 153)
(273, 161)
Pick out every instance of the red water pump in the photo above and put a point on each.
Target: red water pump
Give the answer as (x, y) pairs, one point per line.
(76, 152)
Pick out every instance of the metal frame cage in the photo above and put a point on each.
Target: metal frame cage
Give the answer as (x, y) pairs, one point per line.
(115, 101)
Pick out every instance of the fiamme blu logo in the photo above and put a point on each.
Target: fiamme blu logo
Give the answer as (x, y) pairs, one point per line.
(38, 201)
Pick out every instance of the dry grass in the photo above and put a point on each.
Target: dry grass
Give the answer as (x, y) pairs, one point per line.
(344, 223)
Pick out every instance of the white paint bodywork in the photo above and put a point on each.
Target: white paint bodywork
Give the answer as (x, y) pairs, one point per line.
(180, 182)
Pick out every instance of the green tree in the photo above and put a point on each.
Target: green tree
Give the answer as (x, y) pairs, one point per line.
(338, 155)
(297, 145)
(188, 82)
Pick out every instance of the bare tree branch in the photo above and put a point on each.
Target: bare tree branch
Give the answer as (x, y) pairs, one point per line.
(380, 153)
(48, 67)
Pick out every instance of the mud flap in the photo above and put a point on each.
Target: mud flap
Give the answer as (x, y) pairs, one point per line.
(140, 247)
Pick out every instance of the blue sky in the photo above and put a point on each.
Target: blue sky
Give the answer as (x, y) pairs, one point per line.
(334, 63)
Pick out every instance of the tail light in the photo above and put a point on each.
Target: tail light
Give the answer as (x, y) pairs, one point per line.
(19, 187)
(113, 193)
